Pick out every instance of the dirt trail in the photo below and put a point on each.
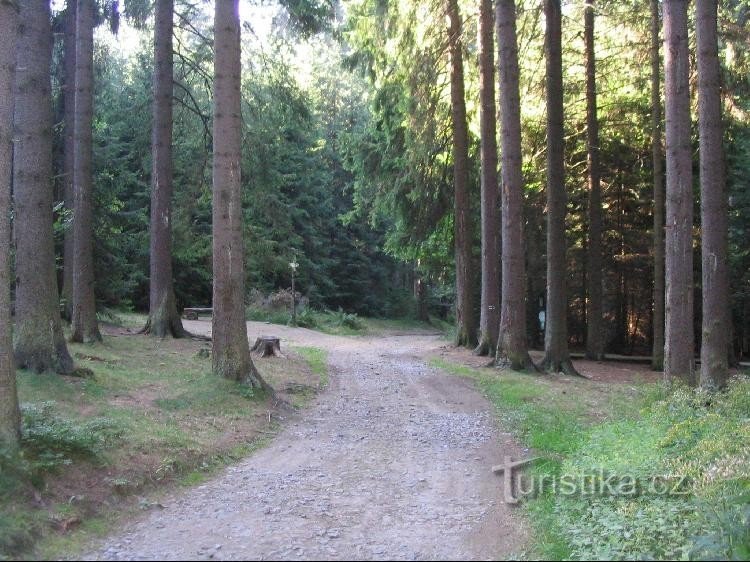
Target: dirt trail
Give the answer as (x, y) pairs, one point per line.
(392, 461)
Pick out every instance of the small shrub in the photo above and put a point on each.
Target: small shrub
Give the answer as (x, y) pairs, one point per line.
(51, 441)
(346, 319)
(307, 319)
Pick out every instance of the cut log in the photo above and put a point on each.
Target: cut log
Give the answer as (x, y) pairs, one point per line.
(267, 346)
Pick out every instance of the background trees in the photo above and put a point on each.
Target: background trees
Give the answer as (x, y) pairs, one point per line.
(353, 173)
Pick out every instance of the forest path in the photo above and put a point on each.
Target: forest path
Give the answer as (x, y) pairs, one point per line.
(391, 461)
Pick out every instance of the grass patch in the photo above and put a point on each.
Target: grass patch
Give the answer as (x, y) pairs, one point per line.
(531, 407)
(647, 433)
(317, 359)
(153, 414)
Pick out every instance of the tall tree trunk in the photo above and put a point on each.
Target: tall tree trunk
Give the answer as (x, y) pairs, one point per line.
(679, 360)
(714, 208)
(85, 326)
(10, 419)
(489, 318)
(231, 353)
(745, 343)
(466, 329)
(512, 347)
(163, 318)
(594, 322)
(69, 68)
(556, 355)
(657, 355)
(38, 340)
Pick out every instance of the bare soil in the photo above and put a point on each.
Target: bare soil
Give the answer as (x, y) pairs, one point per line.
(392, 461)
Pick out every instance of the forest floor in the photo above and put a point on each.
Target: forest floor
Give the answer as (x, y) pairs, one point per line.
(153, 417)
(392, 461)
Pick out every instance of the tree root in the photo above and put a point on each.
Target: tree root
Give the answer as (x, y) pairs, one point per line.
(564, 366)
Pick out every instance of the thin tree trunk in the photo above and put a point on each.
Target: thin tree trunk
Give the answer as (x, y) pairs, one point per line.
(512, 346)
(38, 340)
(594, 322)
(679, 347)
(556, 355)
(466, 329)
(745, 345)
(85, 326)
(489, 318)
(714, 207)
(163, 317)
(657, 362)
(10, 419)
(69, 68)
(231, 353)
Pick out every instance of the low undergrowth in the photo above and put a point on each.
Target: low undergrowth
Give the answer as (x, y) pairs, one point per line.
(338, 322)
(664, 475)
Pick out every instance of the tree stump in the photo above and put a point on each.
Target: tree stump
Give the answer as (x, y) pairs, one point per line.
(267, 346)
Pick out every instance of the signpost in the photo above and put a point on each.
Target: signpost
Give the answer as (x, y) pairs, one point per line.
(294, 265)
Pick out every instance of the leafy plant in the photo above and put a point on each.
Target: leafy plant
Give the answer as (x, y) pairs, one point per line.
(51, 440)
(340, 318)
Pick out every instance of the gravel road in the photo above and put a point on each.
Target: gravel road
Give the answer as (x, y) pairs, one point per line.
(391, 461)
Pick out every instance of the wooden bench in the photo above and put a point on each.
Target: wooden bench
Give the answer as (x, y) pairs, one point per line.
(192, 313)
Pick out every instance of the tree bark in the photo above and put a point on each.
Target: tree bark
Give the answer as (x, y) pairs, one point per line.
(594, 321)
(466, 329)
(267, 346)
(657, 362)
(679, 347)
(84, 324)
(69, 68)
(10, 418)
(714, 206)
(512, 346)
(230, 350)
(489, 318)
(38, 341)
(163, 317)
(556, 356)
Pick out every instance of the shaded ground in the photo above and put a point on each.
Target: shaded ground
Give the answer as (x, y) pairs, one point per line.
(391, 462)
(153, 415)
(609, 388)
(597, 371)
